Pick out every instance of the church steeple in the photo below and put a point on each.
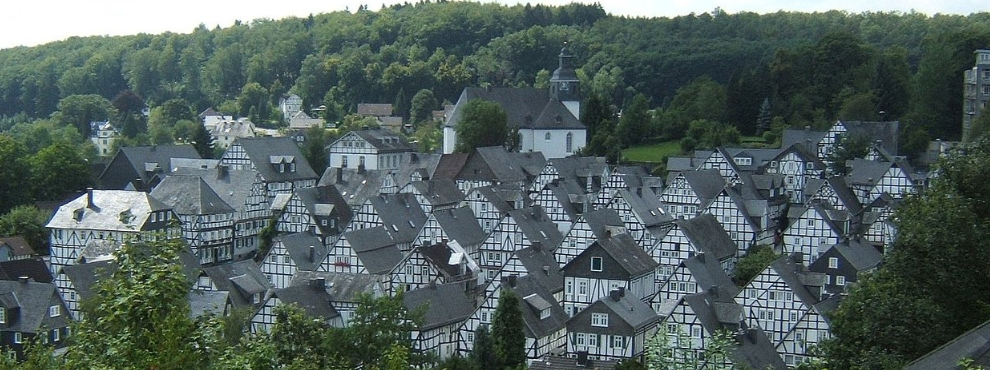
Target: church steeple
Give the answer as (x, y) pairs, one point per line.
(564, 84)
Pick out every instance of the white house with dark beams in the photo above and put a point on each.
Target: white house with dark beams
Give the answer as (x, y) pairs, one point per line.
(522, 228)
(278, 160)
(446, 307)
(798, 166)
(614, 327)
(592, 226)
(291, 253)
(207, 221)
(813, 231)
(608, 264)
(378, 149)
(688, 192)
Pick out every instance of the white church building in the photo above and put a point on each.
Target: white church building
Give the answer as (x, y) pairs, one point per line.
(547, 119)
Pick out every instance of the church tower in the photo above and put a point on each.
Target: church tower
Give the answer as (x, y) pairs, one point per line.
(564, 84)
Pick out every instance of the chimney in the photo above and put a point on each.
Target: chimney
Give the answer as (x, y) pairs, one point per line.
(546, 269)
(312, 254)
(511, 280)
(24, 279)
(536, 211)
(537, 244)
(582, 358)
(608, 234)
(89, 198)
(340, 175)
(221, 171)
(615, 294)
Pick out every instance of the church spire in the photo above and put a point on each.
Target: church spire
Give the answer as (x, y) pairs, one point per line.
(564, 84)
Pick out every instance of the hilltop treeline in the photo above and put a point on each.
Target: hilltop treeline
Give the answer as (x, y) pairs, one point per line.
(812, 68)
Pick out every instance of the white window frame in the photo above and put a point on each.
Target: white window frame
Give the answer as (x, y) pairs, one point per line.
(54, 311)
(617, 341)
(840, 280)
(600, 261)
(18, 337)
(833, 262)
(599, 319)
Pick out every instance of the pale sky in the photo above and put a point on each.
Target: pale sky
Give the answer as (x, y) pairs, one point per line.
(33, 22)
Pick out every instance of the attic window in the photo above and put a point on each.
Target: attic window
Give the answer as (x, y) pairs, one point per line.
(596, 264)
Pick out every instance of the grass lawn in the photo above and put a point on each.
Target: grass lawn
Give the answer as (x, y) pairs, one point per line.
(654, 153)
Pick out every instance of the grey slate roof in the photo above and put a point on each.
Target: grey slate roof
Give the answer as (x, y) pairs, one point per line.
(536, 226)
(631, 310)
(18, 245)
(461, 225)
(85, 276)
(628, 254)
(884, 132)
(312, 298)
(402, 215)
(233, 186)
(494, 197)
(602, 219)
(708, 274)
(34, 269)
(450, 165)
(342, 287)
(386, 141)
(525, 107)
(190, 195)
(708, 236)
(444, 304)
(354, 186)
(106, 215)
(861, 256)
(866, 172)
(533, 298)
(376, 249)
(646, 205)
(305, 249)
(242, 277)
(142, 162)
(33, 299)
(202, 303)
(755, 351)
(262, 150)
(973, 344)
(439, 191)
(705, 183)
(542, 267)
(805, 285)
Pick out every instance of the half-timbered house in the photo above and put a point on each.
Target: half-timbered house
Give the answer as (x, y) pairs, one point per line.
(445, 307)
(206, 220)
(290, 253)
(689, 238)
(843, 262)
(869, 179)
(319, 210)
(616, 326)
(522, 228)
(247, 285)
(488, 205)
(435, 195)
(608, 263)
(641, 211)
(592, 226)
(369, 149)
(798, 166)
(700, 273)
(313, 298)
(688, 192)
(278, 160)
(814, 230)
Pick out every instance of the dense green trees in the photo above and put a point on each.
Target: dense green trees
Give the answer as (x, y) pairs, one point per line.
(508, 338)
(930, 287)
(482, 124)
(29, 222)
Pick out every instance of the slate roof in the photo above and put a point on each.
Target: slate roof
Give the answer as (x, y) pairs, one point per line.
(450, 165)
(202, 303)
(973, 344)
(627, 252)
(805, 285)
(312, 298)
(705, 183)
(242, 277)
(536, 226)
(385, 141)
(806, 137)
(600, 220)
(402, 215)
(646, 205)
(533, 298)
(444, 304)
(581, 168)
(106, 215)
(708, 274)
(85, 276)
(34, 269)
(525, 107)
(305, 249)
(861, 256)
(190, 195)
(18, 245)
(342, 287)
(495, 164)
(541, 265)
(324, 201)
(708, 236)
(755, 351)
(866, 172)
(439, 191)
(374, 109)
(354, 186)
(261, 150)
(232, 186)
(461, 225)
(715, 313)
(570, 363)
(631, 310)
(142, 162)
(884, 132)
(34, 299)
(495, 198)
(376, 249)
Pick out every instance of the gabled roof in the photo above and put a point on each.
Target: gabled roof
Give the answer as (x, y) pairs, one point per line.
(860, 256)
(709, 275)
(233, 186)
(803, 152)
(525, 107)
(33, 299)
(342, 287)
(973, 344)
(84, 276)
(708, 236)
(444, 304)
(715, 312)
(807, 138)
(495, 198)
(886, 133)
(705, 183)
(439, 255)
(625, 251)
(145, 162)
(108, 211)
(402, 215)
(312, 298)
(376, 249)
(324, 201)
(631, 310)
(755, 350)
(646, 205)
(805, 285)
(580, 169)
(202, 303)
(242, 277)
(541, 266)
(450, 165)
(34, 269)
(384, 140)
(461, 226)
(439, 191)
(190, 195)
(374, 109)
(536, 226)
(867, 172)
(495, 164)
(355, 186)
(533, 299)
(305, 249)
(18, 245)
(264, 152)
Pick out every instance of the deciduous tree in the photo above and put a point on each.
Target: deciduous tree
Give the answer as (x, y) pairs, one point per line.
(483, 123)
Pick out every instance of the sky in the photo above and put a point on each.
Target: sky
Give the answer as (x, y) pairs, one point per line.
(35, 22)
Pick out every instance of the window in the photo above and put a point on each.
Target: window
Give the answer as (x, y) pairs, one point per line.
(579, 339)
(592, 340)
(343, 161)
(671, 328)
(793, 317)
(599, 320)
(840, 280)
(616, 341)
(55, 335)
(811, 222)
(361, 161)
(583, 288)
(833, 263)
(570, 143)
(18, 338)
(3, 315)
(570, 287)
(696, 331)
(596, 264)
(54, 311)
(546, 136)
(545, 313)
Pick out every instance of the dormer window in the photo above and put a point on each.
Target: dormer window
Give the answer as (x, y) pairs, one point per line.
(544, 313)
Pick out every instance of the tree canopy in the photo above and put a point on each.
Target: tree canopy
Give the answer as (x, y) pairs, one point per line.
(482, 124)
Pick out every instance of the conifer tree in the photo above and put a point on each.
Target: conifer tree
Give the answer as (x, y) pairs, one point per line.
(507, 331)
